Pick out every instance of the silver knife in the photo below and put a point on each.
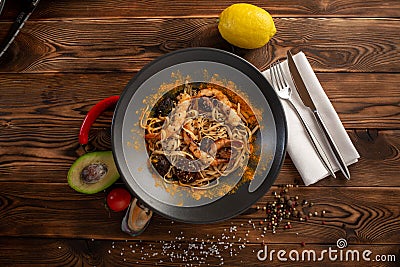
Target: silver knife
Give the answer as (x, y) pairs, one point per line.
(308, 102)
(27, 9)
(314, 141)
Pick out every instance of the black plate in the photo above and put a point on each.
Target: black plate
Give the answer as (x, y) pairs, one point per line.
(129, 146)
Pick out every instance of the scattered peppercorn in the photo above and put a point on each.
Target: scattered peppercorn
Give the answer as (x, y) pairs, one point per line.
(285, 207)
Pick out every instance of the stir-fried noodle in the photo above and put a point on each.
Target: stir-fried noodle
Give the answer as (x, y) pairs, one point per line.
(198, 135)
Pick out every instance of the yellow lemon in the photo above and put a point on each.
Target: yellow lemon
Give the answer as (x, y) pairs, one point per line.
(246, 26)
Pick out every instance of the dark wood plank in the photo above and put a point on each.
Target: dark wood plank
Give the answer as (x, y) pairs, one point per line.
(39, 135)
(117, 46)
(376, 93)
(40, 155)
(60, 252)
(61, 9)
(42, 252)
(74, 53)
(372, 145)
(361, 215)
(62, 100)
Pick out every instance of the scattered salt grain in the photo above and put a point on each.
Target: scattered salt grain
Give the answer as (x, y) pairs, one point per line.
(228, 243)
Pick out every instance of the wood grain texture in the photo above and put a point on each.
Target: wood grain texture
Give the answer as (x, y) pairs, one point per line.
(73, 53)
(378, 93)
(56, 211)
(62, 100)
(62, 9)
(61, 252)
(117, 46)
(39, 155)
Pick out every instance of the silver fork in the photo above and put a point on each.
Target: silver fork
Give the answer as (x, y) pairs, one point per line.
(285, 92)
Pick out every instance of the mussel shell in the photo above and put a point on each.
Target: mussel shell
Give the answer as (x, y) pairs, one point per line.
(136, 219)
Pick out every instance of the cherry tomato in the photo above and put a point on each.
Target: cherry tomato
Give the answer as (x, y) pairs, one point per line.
(118, 199)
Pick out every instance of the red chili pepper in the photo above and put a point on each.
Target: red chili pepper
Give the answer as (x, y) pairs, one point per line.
(93, 114)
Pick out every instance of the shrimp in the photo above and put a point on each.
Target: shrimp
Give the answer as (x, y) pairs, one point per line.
(188, 138)
(219, 145)
(178, 117)
(211, 92)
(233, 117)
(224, 142)
(216, 162)
(152, 135)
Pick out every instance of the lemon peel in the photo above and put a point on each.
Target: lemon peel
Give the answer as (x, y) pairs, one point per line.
(246, 26)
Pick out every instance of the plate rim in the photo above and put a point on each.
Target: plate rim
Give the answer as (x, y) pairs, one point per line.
(186, 214)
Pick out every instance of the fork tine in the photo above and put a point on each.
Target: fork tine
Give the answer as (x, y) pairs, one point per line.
(279, 75)
(282, 75)
(271, 74)
(275, 77)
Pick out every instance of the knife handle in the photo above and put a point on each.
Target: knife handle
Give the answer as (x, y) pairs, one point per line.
(338, 157)
(317, 146)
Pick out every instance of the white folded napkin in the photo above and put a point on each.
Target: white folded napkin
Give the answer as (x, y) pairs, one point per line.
(299, 147)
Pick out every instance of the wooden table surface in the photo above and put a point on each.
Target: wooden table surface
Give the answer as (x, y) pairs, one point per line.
(71, 54)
